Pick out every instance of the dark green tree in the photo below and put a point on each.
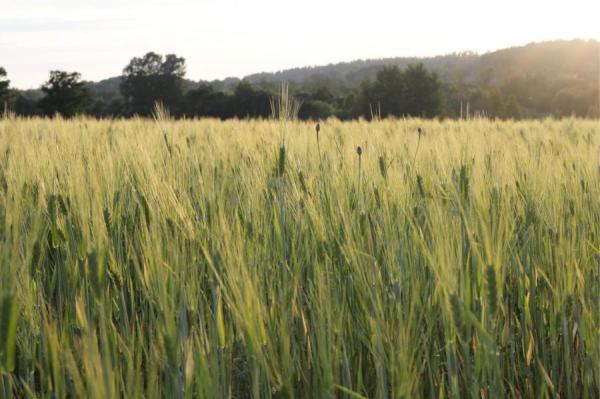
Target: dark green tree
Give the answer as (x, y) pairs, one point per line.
(151, 79)
(423, 92)
(315, 110)
(65, 93)
(4, 87)
(26, 105)
(350, 106)
(385, 96)
(250, 102)
(323, 94)
(206, 102)
(413, 92)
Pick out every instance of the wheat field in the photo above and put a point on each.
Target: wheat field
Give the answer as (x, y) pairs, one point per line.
(234, 259)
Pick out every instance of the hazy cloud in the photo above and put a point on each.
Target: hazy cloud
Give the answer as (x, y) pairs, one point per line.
(60, 25)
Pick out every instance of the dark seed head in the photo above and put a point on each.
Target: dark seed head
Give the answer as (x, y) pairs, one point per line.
(359, 150)
(419, 130)
(318, 128)
(281, 160)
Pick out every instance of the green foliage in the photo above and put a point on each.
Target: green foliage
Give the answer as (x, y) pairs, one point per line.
(65, 94)
(248, 101)
(315, 110)
(205, 101)
(151, 79)
(4, 85)
(413, 92)
(423, 92)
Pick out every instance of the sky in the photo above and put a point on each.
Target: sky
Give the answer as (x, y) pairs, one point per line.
(222, 38)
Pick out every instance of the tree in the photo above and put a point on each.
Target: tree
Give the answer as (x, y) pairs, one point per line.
(205, 101)
(385, 96)
(151, 78)
(423, 92)
(26, 105)
(413, 92)
(65, 93)
(4, 90)
(250, 102)
(315, 110)
(323, 94)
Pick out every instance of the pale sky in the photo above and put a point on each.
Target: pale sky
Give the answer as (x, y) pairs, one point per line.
(221, 38)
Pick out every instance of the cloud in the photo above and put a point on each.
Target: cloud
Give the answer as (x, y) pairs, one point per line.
(22, 25)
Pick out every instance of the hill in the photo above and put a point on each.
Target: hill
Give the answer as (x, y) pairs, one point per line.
(571, 57)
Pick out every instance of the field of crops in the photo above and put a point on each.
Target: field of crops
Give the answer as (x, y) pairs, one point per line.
(209, 259)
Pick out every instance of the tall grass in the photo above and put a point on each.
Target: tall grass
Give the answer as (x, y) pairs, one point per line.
(143, 258)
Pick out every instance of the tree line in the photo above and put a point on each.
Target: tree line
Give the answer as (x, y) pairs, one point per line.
(156, 78)
(412, 91)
